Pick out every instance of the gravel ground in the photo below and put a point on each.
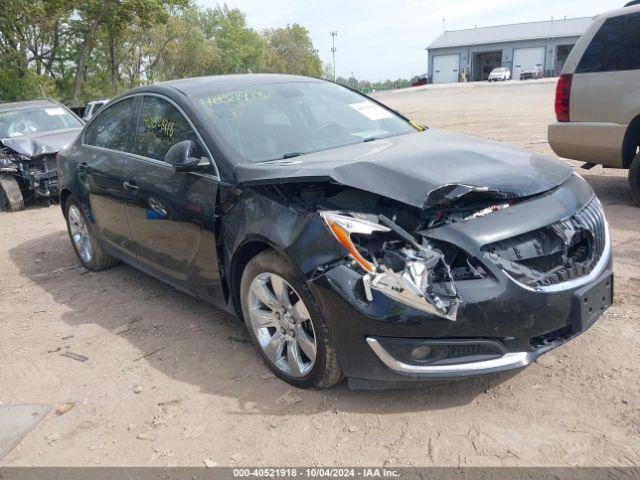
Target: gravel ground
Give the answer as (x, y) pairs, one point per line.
(172, 381)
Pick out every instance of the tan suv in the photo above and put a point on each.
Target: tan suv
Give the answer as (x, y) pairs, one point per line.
(598, 96)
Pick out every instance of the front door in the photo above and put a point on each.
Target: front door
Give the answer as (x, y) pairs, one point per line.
(171, 214)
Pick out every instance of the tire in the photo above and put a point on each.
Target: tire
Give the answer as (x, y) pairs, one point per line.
(634, 179)
(11, 199)
(285, 332)
(84, 241)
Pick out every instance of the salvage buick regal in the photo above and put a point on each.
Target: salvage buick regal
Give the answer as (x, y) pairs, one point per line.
(352, 241)
(31, 134)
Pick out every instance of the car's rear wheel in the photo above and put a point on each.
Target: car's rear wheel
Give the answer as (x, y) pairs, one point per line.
(11, 199)
(84, 241)
(634, 179)
(285, 323)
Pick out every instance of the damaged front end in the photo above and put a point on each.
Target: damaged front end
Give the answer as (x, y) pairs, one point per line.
(419, 273)
(34, 174)
(389, 243)
(567, 250)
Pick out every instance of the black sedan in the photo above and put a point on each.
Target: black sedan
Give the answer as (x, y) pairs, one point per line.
(352, 241)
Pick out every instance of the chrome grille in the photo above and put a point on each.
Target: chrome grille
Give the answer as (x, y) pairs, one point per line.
(566, 250)
(591, 218)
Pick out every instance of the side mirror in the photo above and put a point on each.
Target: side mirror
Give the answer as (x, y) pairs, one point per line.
(181, 156)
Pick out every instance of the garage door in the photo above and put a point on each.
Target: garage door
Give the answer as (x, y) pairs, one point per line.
(446, 68)
(524, 58)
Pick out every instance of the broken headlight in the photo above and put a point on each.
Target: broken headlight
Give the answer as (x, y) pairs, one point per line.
(343, 226)
(418, 274)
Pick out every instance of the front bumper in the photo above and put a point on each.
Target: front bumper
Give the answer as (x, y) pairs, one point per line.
(520, 324)
(508, 361)
(502, 323)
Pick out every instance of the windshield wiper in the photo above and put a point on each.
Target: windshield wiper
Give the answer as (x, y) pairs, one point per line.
(286, 156)
(291, 155)
(370, 139)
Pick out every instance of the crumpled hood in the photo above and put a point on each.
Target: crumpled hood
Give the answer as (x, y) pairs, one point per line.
(43, 143)
(420, 169)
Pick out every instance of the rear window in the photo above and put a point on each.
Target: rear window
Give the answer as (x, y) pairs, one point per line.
(616, 46)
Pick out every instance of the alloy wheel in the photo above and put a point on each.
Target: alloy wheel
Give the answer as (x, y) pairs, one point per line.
(282, 324)
(80, 234)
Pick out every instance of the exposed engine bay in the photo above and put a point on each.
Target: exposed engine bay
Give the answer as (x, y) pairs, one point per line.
(34, 174)
(388, 241)
(385, 239)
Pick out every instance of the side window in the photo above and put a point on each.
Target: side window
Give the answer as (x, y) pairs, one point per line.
(615, 47)
(110, 129)
(160, 126)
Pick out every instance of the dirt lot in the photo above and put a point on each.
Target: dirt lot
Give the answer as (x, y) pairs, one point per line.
(172, 381)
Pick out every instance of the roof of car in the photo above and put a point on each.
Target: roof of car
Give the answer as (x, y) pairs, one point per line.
(29, 104)
(196, 85)
(629, 8)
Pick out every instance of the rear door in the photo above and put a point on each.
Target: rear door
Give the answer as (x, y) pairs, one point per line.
(106, 142)
(171, 214)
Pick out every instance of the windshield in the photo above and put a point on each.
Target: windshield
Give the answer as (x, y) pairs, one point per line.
(27, 121)
(284, 120)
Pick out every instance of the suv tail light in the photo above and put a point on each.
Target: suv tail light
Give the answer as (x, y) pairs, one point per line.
(563, 97)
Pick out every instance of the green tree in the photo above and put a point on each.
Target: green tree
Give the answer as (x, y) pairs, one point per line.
(180, 48)
(327, 71)
(112, 19)
(240, 48)
(30, 36)
(290, 50)
(77, 50)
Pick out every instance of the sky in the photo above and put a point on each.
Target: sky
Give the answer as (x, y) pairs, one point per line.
(380, 39)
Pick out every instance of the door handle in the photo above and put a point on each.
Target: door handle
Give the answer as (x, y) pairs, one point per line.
(131, 186)
(81, 167)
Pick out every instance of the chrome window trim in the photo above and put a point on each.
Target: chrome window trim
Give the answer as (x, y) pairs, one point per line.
(129, 154)
(506, 362)
(142, 157)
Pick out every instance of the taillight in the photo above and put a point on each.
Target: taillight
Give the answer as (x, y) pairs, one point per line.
(563, 97)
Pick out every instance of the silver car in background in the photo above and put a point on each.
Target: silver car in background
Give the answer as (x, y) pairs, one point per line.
(500, 74)
(598, 96)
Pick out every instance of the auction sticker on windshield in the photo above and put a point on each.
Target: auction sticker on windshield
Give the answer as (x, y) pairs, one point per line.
(371, 110)
(52, 112)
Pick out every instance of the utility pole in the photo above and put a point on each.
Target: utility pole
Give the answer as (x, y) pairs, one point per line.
(334, 34)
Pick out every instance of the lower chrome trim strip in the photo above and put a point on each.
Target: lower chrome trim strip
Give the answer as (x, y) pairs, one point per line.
(507, 362)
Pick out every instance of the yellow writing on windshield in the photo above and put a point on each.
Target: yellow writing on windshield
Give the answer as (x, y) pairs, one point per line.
(235, 97)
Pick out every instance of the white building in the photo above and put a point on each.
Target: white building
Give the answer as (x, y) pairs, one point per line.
(473, 53)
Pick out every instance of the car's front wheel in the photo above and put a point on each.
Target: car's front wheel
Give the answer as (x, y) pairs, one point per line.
(634, 179)
(84, 241)
(11, 199)
(286, 325)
